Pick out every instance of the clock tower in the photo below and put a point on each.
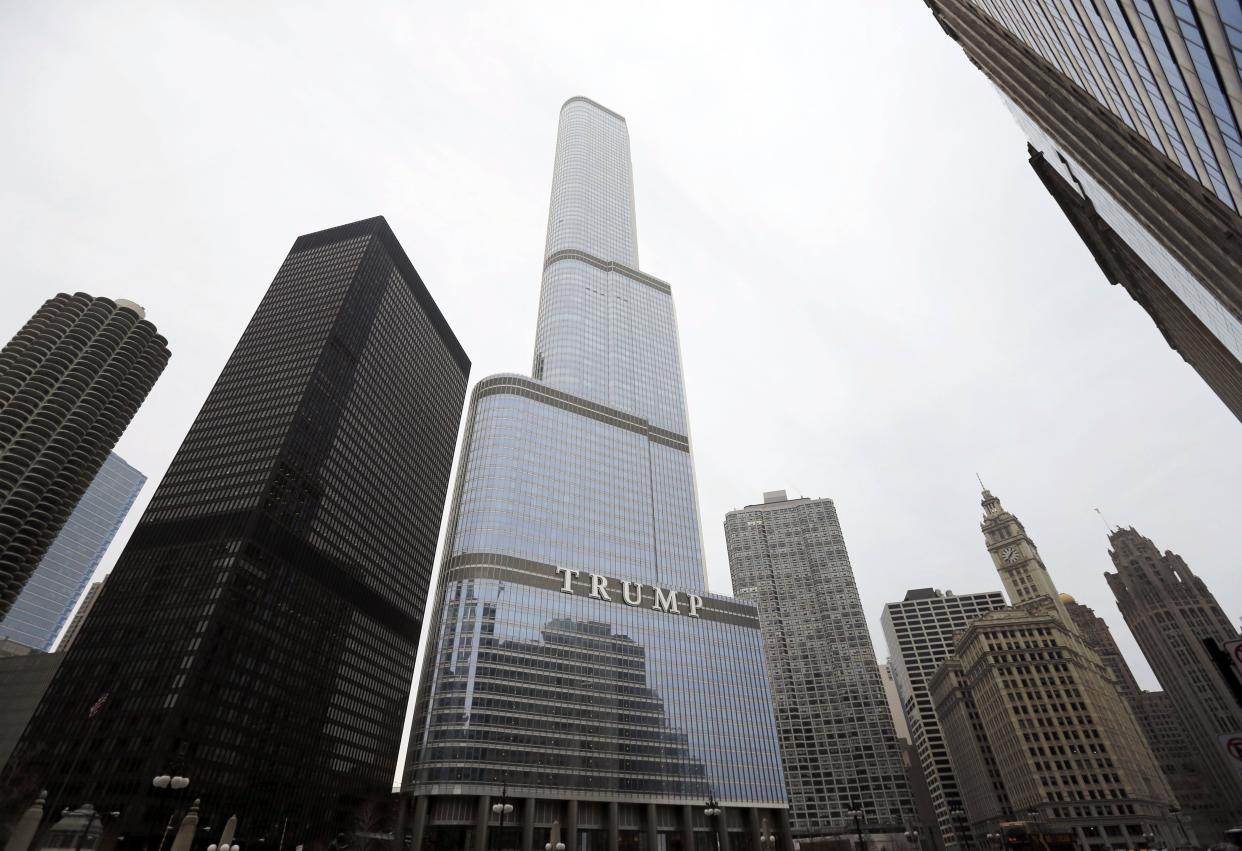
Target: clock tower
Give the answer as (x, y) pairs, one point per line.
(1022, 571)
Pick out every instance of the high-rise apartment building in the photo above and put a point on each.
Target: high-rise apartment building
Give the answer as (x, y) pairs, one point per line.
(44, 605)
(1170, 611)
(258, 633)
(70, 381)
(577, 668)
(788, 557)
(1191, 785)
(920, 632)
(1039, 737)
(79, 617)
(1132, 112)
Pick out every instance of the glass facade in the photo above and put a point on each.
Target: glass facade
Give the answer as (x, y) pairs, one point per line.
(44, 605)
(575, 655)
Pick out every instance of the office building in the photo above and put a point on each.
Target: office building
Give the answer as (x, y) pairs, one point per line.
(920, 632)
(838, 745)
(43, 606)
(900, 727)
(577, 668)
(1040, 739)
(70, 381)
(925, 827)
(258, 633)
(1170, 612)
(79, 617)
(1191, 786)
(1131, 109)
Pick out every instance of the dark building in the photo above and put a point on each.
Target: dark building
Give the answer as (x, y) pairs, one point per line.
(24, 676)
(1170, 611)
(1132, 112)
(258, 633)
(70, 381)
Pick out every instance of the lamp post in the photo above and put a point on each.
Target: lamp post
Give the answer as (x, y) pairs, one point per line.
(959, 825)
(767, 841)
(712, 810)
(857, 815)
(502, 808)
(175, 782)
(912, 836)
(994, 838)
(555, 844)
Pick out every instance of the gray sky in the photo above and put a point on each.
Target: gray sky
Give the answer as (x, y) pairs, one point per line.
(877, 297)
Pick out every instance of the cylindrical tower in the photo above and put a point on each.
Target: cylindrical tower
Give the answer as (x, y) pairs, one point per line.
(70, 381)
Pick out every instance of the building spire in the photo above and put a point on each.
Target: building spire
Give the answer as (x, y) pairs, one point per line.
(1022, 571)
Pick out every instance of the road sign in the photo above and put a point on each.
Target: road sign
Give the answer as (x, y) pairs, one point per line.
(1234, 649)
(1232, 744)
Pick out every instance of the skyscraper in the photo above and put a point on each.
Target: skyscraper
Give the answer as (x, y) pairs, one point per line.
(70, 381)
(258, 632)
(43, 606)
(920, 632)
(1132, 112)
(577, 669)
(1170, 612)
(840, 751)
(1036, 730)
(1191, 785)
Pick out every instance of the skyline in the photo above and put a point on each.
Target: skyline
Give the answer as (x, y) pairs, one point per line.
(933, 369)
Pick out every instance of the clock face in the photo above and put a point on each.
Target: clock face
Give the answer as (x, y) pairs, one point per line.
(1009, 555)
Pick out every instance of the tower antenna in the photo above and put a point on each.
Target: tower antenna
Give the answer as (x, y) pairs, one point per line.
(1107, 528)
(981, 484)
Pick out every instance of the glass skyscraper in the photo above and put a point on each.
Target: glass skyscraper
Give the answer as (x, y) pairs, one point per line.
(52, 591)
(1132, 112)
(577, 666)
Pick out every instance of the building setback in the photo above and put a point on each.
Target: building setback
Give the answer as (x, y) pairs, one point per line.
(1191, 785)
(1170, 611)
(1131, 109)
(1036, 729)
(577, 668)
(70, 381)
(258, 633)
(43, 606)
(920, 632)
(838, 745)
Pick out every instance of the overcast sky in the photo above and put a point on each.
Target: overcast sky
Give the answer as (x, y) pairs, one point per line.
(877, 297)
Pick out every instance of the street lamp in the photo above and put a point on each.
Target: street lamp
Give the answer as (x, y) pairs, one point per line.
(555, 844)
(175, 782)
(502, 808)
(912, 836)
(712, 810)
(994, 837)
(766, 840)
(959, 826)
(857, 815)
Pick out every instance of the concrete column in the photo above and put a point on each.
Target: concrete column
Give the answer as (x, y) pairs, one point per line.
(653, 829)
(687, 827)
(786, 838)
(398, 830)
(571, 826)
(722, 829)
(528, 825)
(421, 803)
(482, 810)
(614, 827)
(752, 817)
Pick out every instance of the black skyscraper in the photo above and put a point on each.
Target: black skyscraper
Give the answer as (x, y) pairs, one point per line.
(258, 634)
(70, 381)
